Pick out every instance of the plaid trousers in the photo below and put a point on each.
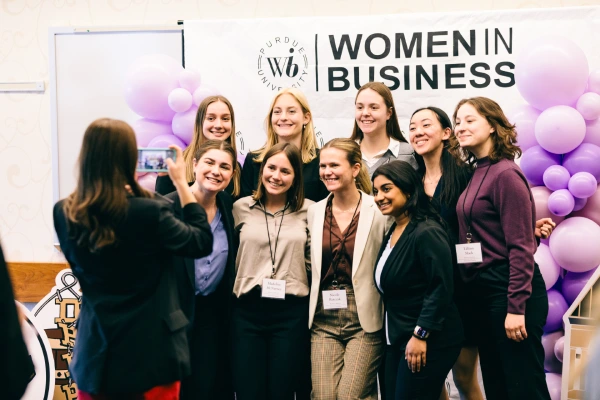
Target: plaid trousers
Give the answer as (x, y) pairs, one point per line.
(344, 358)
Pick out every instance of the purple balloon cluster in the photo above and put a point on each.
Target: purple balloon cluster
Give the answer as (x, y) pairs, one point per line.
(559, 131)
(167, 96)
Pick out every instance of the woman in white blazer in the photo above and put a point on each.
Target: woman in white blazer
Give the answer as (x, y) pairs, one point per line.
(346, 311)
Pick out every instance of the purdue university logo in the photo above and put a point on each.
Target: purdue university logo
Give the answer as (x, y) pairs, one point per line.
(282, 62)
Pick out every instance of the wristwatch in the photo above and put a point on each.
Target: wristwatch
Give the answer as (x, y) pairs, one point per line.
(420, 333)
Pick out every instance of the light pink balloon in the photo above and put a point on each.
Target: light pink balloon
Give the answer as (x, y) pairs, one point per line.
(591, 209)
(203, 92)
(548, 267)
(148, 181)
(551, 363)
(540, 198)
(574, 244)
(592, 132)
(183, 125)
(594, 81)
(554, 383)
(560, 129)
(524, 117)
(189, 79)
(559, 348)
(180, 100)
(588, 106)
(147, 129)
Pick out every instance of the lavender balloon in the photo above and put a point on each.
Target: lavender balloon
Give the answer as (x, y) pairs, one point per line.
(551, 71)
(189, 79)
(147, 129)
(592, 132)
(583, 185)
(588, 106)
(534, 163)
(559, 348)
(560, 129)
(585, 158)
(180, 100)
(557, 307)
(554, 382)
(574, 244)
(591, 209)
(164, 141)
(148, 181)
(556, 177)
(203, 92)
(594, 81)
(573, 284)
(548, 267)
(524, 117)
(540, 198)
(551, 363)
(183, 125)
(579, 204)
(561, 202)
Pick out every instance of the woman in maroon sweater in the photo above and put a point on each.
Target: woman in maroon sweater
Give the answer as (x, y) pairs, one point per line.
(496, 216)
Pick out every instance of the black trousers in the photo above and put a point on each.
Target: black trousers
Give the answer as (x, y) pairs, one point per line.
(269, 346)
(209, 351)
(511, 370)
(402, 384)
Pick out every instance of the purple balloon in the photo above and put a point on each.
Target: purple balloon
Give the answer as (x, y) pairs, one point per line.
(551, 71)
(579, 204)
(583, 185)
(588, 106)
(147, 129)
(534, 163)
(594, 81)
(560, 129)
(548, 267)
(148, 181)
(556, 177)
(524, 117)
(592, 132)
(574, 244)
(149, 81)
(591, 209)
(540, 198)
(557, 307)
(573, 284)
(561, 202)
(551, 363)
(183, 125)
(554, 383)
(164, 141)
(559, 348)
(180, 100)
(585, 158)
(203, 92)
(189, 79)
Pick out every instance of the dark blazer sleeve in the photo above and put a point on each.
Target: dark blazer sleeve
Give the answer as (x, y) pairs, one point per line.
(433, 249)
(189, 237)
(164, 185)
(249, 176)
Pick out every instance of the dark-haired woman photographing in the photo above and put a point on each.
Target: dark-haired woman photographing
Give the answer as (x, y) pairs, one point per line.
(414, 274)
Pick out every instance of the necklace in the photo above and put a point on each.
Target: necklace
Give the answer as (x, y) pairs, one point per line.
(432, 181)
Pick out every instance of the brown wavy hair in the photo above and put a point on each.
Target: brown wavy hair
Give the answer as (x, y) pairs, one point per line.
(106, 164)
(354, 156)
(504, 137)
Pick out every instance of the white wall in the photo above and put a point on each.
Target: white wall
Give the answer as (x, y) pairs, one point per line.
(25, 147)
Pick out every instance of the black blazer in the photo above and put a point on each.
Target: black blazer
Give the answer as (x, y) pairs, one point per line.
(187, 280)
(16, 367)
(314, 189)
(164, 184)
(417, 283)
(131, 334)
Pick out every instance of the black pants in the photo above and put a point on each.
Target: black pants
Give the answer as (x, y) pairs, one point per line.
(269, 346)
(209, 351)
(511, 370)
(402, 384)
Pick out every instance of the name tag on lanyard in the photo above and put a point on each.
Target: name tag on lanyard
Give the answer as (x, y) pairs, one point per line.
(334, 299)
(273, 289)
(467, 253)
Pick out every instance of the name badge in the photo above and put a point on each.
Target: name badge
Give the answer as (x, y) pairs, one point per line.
(334, 299)
(273, 289)
(468, 253)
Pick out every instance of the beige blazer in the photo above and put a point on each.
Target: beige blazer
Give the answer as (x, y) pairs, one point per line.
(370, 233)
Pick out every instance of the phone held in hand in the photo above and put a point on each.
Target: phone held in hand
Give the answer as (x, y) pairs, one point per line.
(154, 160)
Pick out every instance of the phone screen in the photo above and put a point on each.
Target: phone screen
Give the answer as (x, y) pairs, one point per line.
(154, 160)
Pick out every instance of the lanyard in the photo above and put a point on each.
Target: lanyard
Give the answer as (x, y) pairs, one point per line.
(335, 261)
(271, 251)
(469, 219)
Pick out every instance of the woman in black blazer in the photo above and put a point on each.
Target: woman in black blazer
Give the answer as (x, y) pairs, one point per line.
(206, 284)
(414, 274)
(131, 339)
(215, 120)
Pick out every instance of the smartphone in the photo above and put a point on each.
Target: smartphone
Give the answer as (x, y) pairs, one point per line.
(154, 160)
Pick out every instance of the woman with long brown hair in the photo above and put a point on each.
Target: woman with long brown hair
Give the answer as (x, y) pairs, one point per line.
(119, 242)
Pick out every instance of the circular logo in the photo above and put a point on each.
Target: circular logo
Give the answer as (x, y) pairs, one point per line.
(282, 62)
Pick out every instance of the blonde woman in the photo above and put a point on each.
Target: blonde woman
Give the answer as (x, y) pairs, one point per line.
(289, 121)
(346, 311)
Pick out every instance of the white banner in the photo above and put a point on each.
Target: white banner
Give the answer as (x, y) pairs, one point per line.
(426, 59)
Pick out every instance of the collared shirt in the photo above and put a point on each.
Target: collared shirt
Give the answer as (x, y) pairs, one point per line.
(396, 150)
(253, 262)
(210, 269)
